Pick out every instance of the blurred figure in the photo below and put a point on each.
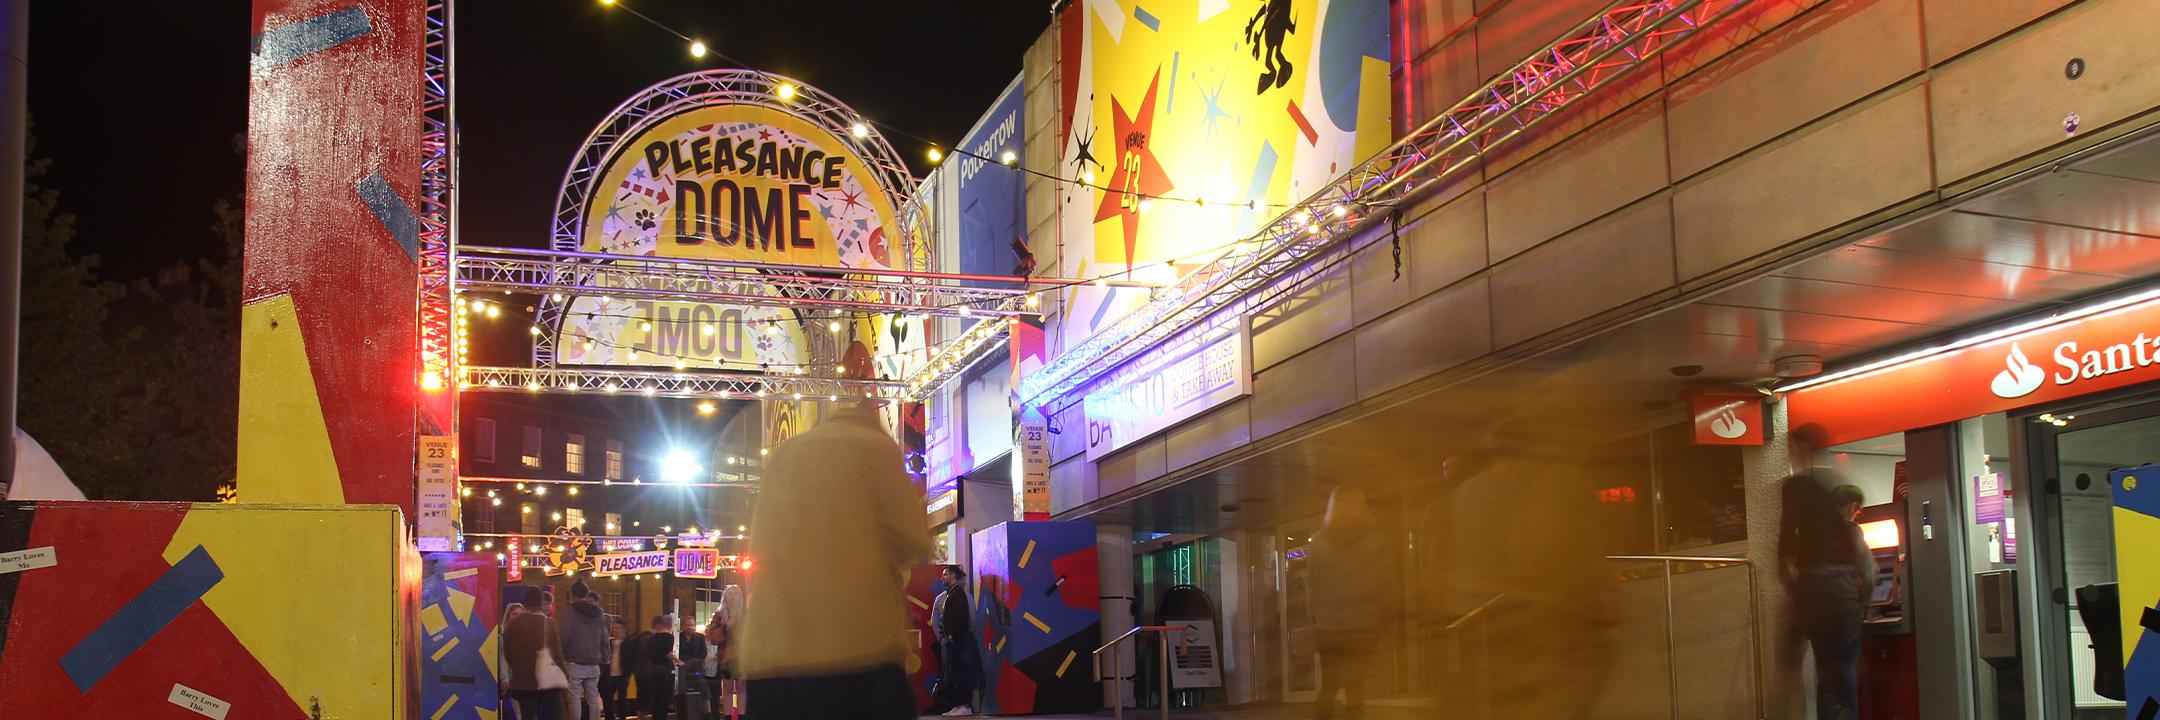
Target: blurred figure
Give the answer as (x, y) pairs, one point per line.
(632, 657)
(656, 677)
(1524, 583)
(1349, 596)
(730, 622)
(690, 648)
(502, 660)
(1827, 571)
(953, 623)
(836, 528)
(614, 682)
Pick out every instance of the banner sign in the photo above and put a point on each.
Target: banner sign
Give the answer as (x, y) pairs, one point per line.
(2089, 353)
(436, 525)
(619, 545)
(651, 561)
(740, 182)
(991, 196)
(1248, 105)
(514, 562)
(1031, 466)
(697, 563)
(1141, 401)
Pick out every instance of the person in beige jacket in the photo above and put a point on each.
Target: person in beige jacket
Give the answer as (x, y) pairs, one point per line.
(836, 527)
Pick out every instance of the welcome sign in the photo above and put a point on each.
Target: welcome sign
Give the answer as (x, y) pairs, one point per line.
(631, 563)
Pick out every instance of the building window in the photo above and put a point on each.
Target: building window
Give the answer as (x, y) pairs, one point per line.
(574, 518)
(573, 455)
(483, 440)
(614, 459)
(531, 457)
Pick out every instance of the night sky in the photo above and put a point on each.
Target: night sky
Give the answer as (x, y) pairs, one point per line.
(141, 108)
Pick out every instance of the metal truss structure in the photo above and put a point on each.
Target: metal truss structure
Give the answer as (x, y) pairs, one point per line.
(438, 133)
(955, 358)
(720, 281)
(733, 87)
(1281, 257)
(661, 383)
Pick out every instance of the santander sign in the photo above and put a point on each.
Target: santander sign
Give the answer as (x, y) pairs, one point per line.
(2102, 351)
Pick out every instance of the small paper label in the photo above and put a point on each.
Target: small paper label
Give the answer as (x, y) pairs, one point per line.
(195, 700)
(31, 559)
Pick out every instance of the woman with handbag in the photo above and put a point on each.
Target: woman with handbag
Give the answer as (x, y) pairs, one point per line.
(533, 645)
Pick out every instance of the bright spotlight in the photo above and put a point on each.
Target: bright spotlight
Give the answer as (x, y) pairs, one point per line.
(679, 467)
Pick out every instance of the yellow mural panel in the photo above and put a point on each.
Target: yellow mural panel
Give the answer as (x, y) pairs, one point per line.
(319, 606)
(284, 445)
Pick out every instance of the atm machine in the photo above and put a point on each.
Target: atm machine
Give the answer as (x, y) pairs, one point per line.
(1889, 681)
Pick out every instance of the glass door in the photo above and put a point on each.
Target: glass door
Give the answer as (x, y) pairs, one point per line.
(2081, 457)
(1300, 644)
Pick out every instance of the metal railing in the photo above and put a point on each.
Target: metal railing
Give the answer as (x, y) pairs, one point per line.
(1117, 706)
(1672, 645)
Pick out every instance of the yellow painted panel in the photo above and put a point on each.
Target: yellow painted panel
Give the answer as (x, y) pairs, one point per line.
(1027, 553)
(432, 619)
(461, 604)
(1373, 101)
(2137, 568)
(1035, 621)
(320, 607)
(444, 650)
(284, 448)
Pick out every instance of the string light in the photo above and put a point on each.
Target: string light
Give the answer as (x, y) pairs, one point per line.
(833, 326)
(859, 130)
(1008, 158)
(697, 49)
(707, 408)
(936, 155)
(786, 91)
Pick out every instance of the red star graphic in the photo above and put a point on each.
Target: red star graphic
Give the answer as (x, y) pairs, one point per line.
(1136, 170)
(851, 199)
(764, 134)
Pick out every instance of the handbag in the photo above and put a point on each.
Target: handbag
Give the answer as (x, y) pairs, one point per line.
(548, 674)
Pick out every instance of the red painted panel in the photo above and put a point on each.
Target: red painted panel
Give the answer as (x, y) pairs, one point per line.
(109, 553)
(318, 124)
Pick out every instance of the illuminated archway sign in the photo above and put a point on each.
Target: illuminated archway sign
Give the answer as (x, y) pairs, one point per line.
(716, 166)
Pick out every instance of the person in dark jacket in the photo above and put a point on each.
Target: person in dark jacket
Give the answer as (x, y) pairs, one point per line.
(531, 640)
(1348, 596)
(656, 676)
(585, 650)
(614, 677)
(954, 626)
(690, 648)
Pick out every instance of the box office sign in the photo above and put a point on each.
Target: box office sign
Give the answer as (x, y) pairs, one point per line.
(635, 563)
(1145, 398)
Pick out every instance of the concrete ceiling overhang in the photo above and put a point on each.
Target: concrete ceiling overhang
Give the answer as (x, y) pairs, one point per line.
(2053, 237)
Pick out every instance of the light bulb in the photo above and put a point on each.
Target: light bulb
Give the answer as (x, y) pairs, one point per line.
(1008, 158)
(833, 326)
(1088, 177)
(494, 311)
(859, 130)
(936, 155)
(573, 491)
(786, 91)
(697, 49)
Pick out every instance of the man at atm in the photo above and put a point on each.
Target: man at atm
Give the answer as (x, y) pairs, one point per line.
(1826, 566)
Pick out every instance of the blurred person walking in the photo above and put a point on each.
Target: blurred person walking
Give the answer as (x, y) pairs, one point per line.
(836, 528)
(1524, 576)
(502, 661)
(1349, 599)
(1824, 563)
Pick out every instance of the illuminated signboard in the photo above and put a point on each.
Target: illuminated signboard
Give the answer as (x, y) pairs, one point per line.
(697, 562)
(1141, 401)
(635, 563)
